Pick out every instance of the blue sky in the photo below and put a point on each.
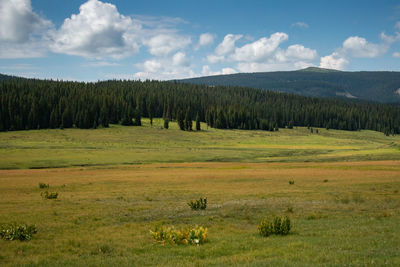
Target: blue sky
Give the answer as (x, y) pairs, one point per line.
(153, 39)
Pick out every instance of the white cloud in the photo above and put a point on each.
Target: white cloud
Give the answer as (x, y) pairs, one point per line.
(356, 47)
(264, 54)
(228, 44)
(334, 61)
(215, 58)
(359, 47)
(300, 25)
(18, 22)
(261, 49)
(98, 31)
(300, 52)
(179, 59)
(163, 44)
(206, 71)
(165, 68)
(23, 33)
(396, 54)
(205, 39)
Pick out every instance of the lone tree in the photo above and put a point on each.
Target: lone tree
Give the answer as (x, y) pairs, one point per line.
(198, 122)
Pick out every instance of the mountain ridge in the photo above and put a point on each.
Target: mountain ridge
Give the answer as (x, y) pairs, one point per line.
(379, 86)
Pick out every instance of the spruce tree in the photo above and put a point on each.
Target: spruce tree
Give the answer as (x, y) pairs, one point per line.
(166, 123)
(198, 122)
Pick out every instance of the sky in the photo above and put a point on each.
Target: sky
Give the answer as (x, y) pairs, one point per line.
(157, 39)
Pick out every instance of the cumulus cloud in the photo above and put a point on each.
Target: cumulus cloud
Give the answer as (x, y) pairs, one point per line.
(165, 44)
(165, 68)
(228, 44)
(359, 47)
(356, 47)
(334, 61)
(300, 25)
(264, 54)
(98, 30)
(226, 47)
(206, 71)
(205, 39)
(18, 22)
(261, 49)
(179, 59)
(23, 33)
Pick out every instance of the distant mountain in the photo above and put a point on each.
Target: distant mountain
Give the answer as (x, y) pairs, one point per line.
(381, 86)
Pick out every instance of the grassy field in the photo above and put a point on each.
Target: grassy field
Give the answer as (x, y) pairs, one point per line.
(119, 183)
(136, 145)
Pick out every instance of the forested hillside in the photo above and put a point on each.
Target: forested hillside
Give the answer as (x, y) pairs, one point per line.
(382, 86)
(5, 77)
(36, 104)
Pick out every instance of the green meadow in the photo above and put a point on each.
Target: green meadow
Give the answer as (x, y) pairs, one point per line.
(119, 145)
(116, 184)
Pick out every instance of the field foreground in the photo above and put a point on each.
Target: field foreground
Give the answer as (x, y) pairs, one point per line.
(342, 213)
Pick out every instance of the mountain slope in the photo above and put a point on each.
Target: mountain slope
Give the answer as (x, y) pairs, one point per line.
(5, 77)
(381, 86)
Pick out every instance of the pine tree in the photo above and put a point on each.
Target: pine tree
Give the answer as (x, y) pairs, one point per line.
(198, 122)
(188, 122)
(138, 119)
(166, 123)
(181, 121)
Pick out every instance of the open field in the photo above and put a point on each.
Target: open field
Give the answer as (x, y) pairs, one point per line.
(136, 145)
(103, 215)
(118, 183)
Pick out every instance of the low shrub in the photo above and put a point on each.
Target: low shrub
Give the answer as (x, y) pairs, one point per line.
(21, 232)
(43, 185)
(289, 209)
(277, 226)
(196, 235)
(291, 182)
(200, 204)
(51, 195)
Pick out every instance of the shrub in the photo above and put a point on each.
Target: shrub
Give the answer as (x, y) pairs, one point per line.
(17, 232)
(43, 185)
(196, 235)
(265, 228)
(200, 204)
(277, 226)
(51, 195)
(291, 182)
(326, 180)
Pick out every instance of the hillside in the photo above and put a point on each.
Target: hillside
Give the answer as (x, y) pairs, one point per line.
(5, 77)
(381, 86)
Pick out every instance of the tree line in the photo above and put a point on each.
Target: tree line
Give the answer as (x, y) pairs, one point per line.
(40, 104)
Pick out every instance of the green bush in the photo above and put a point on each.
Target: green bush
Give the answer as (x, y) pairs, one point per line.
(277, 226)
(43, 185)
(200, 204)
(291, 182)
(196, 235)
(51, 195)
(17, 232)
